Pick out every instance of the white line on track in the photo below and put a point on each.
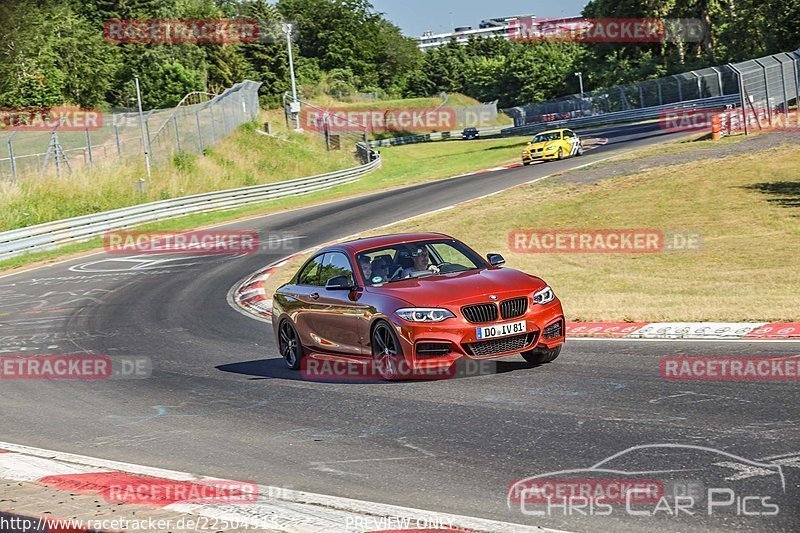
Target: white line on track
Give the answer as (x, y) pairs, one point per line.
(284, 509)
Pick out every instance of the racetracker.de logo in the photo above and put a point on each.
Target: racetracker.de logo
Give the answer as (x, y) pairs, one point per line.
(192, 242)
(153, 491)
(58, 118)
(711, 368)
(608, 30)
(175, 31)
(607, 490)
(74, 367)
(339, 370)
(630, 241)
(408, 119)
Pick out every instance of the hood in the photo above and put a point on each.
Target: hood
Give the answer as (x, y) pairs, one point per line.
(540, 146)
(544, 144)
(461, 288)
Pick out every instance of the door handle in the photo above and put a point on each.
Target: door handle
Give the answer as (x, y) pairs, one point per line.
(314, 296)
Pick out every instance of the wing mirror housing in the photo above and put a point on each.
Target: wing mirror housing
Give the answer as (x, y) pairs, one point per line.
(496, 259)
(339, 283)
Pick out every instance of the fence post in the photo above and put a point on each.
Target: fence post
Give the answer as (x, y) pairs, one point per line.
(719, 81)
(766, 89)
(89, 147)
(199, 132)
(783, 85)
(54, 140)
(149, 145)
(742, 97)
(213, 127)
(699, 85)
(660, 99)
(641, 96)
(177, 134)
(796, 91)
(116, 138)
(11, 160)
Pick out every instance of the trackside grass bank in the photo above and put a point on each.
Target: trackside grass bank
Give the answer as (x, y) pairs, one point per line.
(746, 209)
(244, 158)
(403, 165)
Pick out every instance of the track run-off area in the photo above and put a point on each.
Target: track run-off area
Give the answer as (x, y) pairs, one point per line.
(219, 401)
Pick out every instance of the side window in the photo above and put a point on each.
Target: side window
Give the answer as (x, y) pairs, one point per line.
(335, 264)
(568, 134)
(310, 274)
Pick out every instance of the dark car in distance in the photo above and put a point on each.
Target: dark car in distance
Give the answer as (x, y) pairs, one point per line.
(470, 133)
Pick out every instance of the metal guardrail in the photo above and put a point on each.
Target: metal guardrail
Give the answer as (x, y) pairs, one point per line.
(632, 115)
(438, 136)
(83, 228)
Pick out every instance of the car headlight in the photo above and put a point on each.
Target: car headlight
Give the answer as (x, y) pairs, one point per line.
(544, 296)
(424, 314)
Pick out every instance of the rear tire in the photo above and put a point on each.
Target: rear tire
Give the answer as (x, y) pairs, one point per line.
(289, 345)
(580, 151)
(540, 357)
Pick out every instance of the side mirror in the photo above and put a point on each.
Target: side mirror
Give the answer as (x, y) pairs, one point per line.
(339, 283)
(496, 259)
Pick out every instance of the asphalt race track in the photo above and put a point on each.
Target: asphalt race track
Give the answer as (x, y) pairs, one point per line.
(220, 403)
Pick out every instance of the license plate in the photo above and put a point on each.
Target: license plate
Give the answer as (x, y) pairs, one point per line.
(500, 330)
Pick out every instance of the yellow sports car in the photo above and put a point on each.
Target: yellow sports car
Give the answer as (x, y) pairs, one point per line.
(552, 144)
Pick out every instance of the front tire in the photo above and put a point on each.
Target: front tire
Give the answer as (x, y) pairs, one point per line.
(540, 357)
(580, 150)
(289, 345)
(386, 352)
(560, 154)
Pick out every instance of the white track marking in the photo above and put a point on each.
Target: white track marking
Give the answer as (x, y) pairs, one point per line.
(285, 509)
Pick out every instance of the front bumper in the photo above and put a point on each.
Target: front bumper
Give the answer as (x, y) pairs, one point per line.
(427, 346)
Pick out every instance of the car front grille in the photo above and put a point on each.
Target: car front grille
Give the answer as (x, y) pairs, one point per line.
(432, 349)
(515, 343)
(514, 307)
(480, 313)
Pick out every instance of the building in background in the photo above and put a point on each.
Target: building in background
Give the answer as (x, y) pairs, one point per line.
(517, 27)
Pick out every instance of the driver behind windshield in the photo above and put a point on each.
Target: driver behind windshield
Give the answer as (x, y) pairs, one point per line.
(421, 262)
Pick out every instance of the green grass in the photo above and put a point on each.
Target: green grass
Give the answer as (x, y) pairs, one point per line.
(747, 208)
(403, 165)
(245, 158)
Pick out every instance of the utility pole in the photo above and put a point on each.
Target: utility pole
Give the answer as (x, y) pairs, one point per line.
(580, 81)
(145, 137)
(295, 105)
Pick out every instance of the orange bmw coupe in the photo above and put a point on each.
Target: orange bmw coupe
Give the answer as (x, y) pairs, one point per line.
(410, 303)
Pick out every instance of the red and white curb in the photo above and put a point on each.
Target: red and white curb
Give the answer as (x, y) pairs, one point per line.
(274, 508)
(686, 330)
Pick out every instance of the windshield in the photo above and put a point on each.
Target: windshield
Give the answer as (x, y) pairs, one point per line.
(546, 137)
(417, 259)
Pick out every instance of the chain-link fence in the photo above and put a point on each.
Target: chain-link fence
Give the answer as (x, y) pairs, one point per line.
(353, 137)
(766, 85)
(770, 90)
(198, 122)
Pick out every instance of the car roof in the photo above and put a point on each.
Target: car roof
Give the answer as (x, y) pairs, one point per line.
(370, 243)
(552, 131)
